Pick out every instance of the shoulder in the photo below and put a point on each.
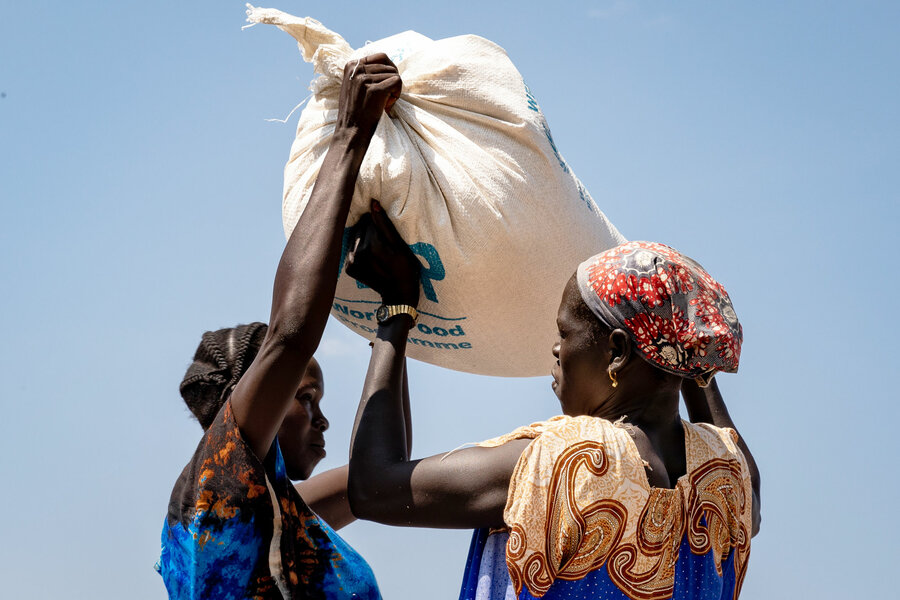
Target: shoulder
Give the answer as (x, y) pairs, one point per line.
(223, 474)
(563, 429)
(594, 457)
(707, 442)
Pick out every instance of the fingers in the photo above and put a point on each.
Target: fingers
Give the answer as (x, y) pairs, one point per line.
(392, 84)
(379, 79)
(384, 226)
(356, 240)
(371, 85)
(378, 68)
(374, 63)
(359, 256)
(378, 59)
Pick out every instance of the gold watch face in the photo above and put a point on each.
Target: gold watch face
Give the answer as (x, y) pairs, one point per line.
(381, 313)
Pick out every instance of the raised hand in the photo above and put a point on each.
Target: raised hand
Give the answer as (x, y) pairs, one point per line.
(382, 260)
(371, 85)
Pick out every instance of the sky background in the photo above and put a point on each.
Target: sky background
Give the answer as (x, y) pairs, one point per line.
(140, 189)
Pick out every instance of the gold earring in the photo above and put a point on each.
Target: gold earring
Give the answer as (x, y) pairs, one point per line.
(612, 377)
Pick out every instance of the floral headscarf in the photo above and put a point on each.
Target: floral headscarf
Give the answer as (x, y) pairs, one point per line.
(680, 317)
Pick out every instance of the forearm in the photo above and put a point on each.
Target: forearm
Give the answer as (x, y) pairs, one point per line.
(301, 301)
(379, 439)
(706, 405)
(308, 271)
(407, 415)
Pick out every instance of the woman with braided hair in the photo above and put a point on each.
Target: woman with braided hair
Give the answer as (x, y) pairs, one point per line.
(618, 498)
(236, 526)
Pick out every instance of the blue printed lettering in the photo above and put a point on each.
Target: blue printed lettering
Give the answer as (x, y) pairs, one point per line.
(532, 101)
(434, 269)
(439, 345)
(347, 321)
(559, 158)
(456, 330)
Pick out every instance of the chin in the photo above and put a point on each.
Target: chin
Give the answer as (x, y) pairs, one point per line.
(301, 474)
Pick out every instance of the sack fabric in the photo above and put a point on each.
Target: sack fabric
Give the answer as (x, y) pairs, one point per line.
(466, 169)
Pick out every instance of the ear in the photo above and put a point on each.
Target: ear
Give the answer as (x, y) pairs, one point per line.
(620, 346)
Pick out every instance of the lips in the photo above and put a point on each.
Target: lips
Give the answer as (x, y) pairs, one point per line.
(318, 446)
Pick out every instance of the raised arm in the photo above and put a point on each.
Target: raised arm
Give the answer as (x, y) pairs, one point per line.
(706, 405)
(308, 270)
(464, 489)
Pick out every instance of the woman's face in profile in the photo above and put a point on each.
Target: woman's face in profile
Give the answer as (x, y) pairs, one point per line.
(579, 376)
(302, 432)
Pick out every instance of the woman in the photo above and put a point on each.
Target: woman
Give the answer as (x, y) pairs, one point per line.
(617, 498)
(236, 527)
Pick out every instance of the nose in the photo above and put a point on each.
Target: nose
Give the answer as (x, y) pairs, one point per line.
(555, 350)
(320, 422)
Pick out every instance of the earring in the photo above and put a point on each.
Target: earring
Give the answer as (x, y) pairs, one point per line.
(612, 377)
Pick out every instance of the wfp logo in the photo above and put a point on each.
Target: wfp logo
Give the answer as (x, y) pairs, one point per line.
(442, 338)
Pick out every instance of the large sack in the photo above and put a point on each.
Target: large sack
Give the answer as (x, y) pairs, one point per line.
(467, 170)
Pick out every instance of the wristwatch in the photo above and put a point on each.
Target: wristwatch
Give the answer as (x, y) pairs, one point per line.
(386, 312)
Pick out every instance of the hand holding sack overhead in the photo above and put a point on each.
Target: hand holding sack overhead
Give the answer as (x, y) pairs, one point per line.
(466, 169)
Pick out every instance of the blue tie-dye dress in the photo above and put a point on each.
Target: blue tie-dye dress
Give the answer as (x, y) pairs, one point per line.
(232, 532)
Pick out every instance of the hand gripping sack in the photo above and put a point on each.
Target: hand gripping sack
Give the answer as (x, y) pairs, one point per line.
(467, 171)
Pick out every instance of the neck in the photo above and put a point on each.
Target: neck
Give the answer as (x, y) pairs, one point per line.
(653, 408)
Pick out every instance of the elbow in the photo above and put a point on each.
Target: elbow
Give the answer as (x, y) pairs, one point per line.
(290, 337)
(757, 516)
(371, 495)
(757, 520)
(362, 491)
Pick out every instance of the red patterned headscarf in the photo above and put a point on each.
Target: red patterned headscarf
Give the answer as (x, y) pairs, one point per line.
(680, 317)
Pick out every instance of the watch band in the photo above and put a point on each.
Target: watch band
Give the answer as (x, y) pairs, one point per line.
(389, 311)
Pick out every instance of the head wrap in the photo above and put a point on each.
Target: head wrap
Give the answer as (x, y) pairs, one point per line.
(680, 318)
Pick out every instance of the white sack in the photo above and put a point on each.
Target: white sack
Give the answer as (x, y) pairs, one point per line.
(466, 169)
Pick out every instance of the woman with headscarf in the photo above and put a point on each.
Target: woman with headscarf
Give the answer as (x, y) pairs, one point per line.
(236, 526)
(617, 498)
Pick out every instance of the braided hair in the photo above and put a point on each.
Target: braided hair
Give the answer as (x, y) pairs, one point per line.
(221, 359)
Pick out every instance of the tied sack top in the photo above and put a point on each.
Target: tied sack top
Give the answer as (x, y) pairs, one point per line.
(583, 521)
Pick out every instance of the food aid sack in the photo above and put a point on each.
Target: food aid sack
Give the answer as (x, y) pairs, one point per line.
(465, 167)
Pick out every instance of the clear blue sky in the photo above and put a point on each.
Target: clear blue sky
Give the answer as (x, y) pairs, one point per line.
(140, 189)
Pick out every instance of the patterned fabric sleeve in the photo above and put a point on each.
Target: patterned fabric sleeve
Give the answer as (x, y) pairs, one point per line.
(220, 513)
(528, 432)
(580, 509)
(568, 492)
